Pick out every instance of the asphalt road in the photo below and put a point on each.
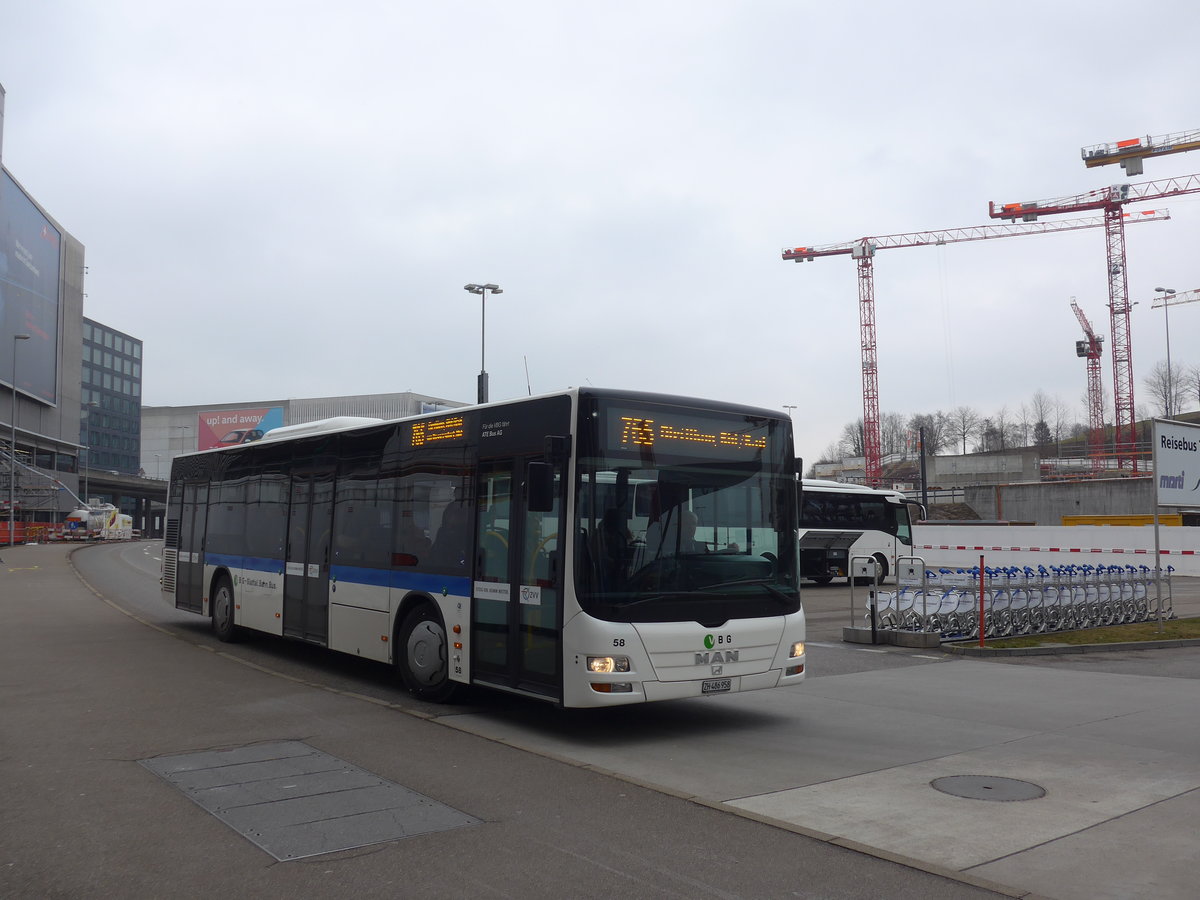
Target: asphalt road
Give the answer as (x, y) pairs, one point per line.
(811, 791)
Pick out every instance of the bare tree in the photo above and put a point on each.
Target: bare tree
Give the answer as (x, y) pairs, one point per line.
(1005, 431)
(990, 437)
(964, 423)
(853, 442)
(1023, 425)
(892, 433)
(1059, 421)
(1192, 377)
(1040, 407)
(935, 429)
(1167, 389)
(832, 453)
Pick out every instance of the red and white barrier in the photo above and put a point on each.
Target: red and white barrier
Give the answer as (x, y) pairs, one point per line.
(1058, 545)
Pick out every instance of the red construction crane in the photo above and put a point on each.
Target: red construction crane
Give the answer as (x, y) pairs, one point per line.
(1091, 350)
(1132, 152)
(863, 251)
(1111, 200)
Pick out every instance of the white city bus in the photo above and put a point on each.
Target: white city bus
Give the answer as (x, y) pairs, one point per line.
(841, 521)
(589, 547)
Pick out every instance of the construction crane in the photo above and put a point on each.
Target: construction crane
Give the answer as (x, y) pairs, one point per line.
(1132, 153)
(1091, 350)
(1112, 201)
(1173, 299)
(863, 250)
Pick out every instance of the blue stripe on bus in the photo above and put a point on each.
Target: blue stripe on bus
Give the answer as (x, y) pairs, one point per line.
(245, 563)
(409, 581)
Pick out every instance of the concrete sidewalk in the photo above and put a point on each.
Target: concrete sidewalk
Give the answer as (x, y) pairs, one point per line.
(92, 695)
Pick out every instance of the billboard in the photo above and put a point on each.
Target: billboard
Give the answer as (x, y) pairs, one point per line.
(1176, 463)
(226, 427)
(30, 248)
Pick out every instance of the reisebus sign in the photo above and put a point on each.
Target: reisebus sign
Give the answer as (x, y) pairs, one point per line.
(1176, 463)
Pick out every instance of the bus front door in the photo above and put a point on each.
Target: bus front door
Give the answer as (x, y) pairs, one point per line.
(517, 610)
(190, 589)
(306, 573)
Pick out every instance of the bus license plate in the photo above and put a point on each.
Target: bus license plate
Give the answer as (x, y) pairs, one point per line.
(716, 685)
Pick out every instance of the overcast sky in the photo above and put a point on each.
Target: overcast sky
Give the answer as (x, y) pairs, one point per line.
(286, 199)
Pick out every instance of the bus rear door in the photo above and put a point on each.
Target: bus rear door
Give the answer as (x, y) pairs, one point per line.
(190, 589)
(306, 573)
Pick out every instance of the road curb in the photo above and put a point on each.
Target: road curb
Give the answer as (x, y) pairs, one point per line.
(1063, 649)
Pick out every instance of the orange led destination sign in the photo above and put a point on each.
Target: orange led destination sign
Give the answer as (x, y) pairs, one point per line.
(639, 431)
(431, 430)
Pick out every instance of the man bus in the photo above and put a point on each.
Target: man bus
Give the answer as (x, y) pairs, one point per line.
(504, 545)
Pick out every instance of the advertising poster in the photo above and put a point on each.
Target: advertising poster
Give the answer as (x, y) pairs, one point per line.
(1176, 463)
(226, 427)
(29, 302)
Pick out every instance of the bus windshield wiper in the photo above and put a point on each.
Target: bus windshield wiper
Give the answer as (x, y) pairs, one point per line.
(767, 583)
(673, 595)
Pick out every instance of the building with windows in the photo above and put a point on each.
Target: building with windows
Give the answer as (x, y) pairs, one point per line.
(111, 382)
(41, 316)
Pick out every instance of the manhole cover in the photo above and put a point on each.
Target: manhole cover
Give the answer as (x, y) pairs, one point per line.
(987, 787)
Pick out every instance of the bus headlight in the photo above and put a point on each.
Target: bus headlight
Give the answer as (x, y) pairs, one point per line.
(603, 665)
(797, 650)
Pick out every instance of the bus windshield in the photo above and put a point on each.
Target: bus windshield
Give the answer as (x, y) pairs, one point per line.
(670, 533)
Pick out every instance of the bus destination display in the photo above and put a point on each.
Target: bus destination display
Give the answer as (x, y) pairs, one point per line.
(683, 433)
(433, 430)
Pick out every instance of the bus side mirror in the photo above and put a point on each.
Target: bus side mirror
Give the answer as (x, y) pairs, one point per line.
(541, 487)
(557, 447)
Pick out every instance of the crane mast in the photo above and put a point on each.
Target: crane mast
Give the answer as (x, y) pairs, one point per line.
(1091, 350)
(862, 250)
(1110, 201)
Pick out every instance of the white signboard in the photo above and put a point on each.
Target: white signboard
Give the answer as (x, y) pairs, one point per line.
(1176, 463)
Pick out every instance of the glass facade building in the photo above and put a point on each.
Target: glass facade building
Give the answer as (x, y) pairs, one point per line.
(110, 425)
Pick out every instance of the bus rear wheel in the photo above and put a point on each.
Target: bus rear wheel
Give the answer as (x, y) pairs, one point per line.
(423, 656)
(222, 611)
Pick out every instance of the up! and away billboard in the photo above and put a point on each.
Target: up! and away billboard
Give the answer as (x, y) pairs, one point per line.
(226, 427)
(1177, 463)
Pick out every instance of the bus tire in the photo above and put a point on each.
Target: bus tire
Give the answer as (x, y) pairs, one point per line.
(823, 580)
(222, 610)
(423, 655)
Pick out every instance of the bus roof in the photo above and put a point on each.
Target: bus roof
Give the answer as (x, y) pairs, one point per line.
(843, 487)
(351, 423)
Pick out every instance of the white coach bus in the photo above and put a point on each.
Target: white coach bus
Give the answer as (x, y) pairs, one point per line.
(841, 521)
(589, 548)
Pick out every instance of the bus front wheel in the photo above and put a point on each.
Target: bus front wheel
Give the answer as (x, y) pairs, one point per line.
(424, 656)
(222, 611)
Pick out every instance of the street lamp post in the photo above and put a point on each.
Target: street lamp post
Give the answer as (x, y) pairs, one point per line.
(481, 290)
(1167, 292)
(12, 449)
(86, 415)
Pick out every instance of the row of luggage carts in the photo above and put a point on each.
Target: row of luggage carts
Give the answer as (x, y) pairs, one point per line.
(1021, 600)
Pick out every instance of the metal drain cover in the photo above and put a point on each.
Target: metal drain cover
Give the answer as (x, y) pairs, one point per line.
(294, 801)
(987, 787)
